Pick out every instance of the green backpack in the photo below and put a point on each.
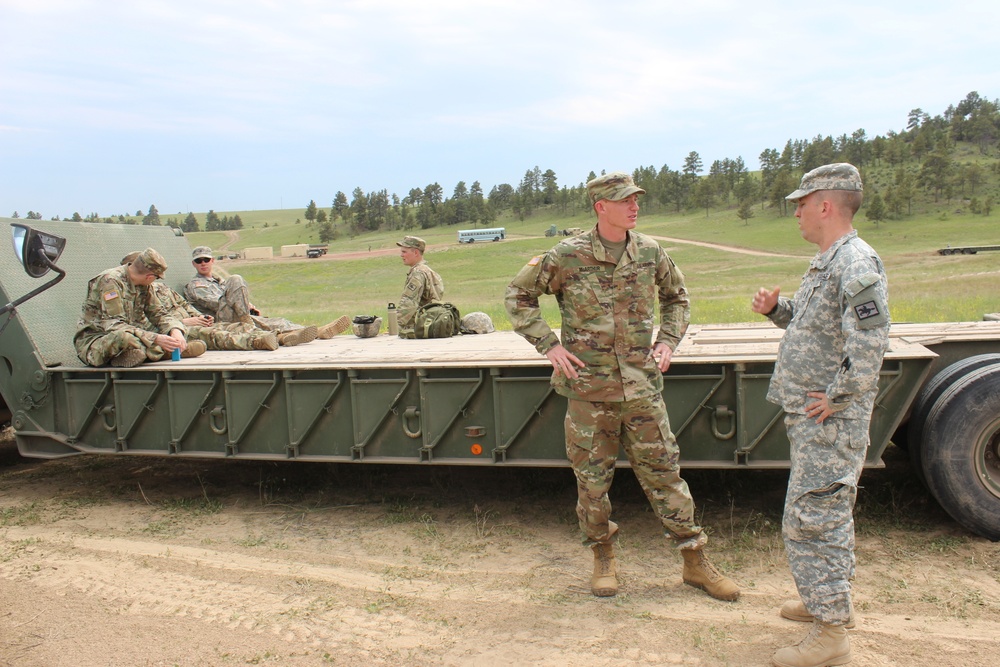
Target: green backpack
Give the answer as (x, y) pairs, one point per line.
(436, 320)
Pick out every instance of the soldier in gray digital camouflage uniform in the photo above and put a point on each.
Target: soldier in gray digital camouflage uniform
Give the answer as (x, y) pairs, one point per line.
(122, 319)
(423, 284)
(826, 380)
(609, 366)
(228, 300)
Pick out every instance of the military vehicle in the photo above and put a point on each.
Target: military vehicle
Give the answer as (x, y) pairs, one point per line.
(471, 400)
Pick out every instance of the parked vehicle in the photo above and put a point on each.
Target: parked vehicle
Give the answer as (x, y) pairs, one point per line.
(466, 400)
(473, 235)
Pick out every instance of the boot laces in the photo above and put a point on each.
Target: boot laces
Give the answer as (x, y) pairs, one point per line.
(708, 567)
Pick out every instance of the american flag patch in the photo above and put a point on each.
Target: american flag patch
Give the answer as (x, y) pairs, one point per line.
(534, 260)
(113, 294)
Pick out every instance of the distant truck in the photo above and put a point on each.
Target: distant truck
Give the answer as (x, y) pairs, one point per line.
(466, 400)
(473, 235)
(967, 250)
(571, 231)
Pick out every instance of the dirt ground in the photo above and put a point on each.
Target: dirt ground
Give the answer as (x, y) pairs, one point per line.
(153, 561)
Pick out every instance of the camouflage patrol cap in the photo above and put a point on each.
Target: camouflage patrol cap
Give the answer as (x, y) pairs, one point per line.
(837, 176)
(476, 323)
(201, 251)
(614, 187)
(412, 242)
(153, 261)
(129, 258)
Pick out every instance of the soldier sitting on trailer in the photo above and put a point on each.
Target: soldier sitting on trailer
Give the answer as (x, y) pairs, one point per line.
(122, 318)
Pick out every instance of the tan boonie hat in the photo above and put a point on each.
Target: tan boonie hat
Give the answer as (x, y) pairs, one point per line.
(201, 251)
(838, 176)
(614, 187)
(153, 261)
(412, 242)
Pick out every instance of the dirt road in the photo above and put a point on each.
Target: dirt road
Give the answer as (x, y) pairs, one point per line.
(151, 561)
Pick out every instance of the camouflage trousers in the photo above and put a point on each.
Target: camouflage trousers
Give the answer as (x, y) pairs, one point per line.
(818, 524)
(235, 304)
(113, 343)
(231, 336)
(594, 433)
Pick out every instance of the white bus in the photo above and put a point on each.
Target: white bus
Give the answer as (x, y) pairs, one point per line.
(473, 235)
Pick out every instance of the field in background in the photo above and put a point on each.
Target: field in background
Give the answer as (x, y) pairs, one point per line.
(923, 285)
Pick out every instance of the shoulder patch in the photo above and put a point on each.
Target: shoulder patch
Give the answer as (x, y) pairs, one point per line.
(534, 260)
(110, 294)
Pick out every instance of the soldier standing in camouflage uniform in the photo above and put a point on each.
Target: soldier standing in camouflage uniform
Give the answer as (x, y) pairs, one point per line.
(423, 284)
(228, 300)
(609, 366)
(826, 380)
(118, 303)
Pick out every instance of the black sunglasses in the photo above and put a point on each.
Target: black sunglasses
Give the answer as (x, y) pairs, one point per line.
(202, 260)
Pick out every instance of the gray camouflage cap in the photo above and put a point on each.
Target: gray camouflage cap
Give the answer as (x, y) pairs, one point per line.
(614, 187)
(838, 176)
(153, 261)
(201, 251)
(412, 242)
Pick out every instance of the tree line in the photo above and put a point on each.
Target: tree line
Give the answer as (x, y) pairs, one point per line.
(921, 158)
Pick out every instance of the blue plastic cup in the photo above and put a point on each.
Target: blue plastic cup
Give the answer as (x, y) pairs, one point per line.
(176, 354)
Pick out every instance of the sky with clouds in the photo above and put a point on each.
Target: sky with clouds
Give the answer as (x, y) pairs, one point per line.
(107, 107)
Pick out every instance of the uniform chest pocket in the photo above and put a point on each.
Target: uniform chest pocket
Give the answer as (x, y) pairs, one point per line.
(815, 293)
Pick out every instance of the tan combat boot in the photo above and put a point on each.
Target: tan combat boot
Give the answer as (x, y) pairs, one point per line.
(794, 610)
(195, 348)
(129, 358)
(298, 337)
(335, 328)
(824, 646)
(264, 340)
(700, 573)
(604, 582)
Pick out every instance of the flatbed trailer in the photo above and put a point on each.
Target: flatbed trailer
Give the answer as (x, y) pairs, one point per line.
(471, 400)
(967, 249)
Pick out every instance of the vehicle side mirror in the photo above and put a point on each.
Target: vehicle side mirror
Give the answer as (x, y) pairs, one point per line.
(36, 250)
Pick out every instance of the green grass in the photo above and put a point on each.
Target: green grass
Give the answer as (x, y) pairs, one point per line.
(923, 286)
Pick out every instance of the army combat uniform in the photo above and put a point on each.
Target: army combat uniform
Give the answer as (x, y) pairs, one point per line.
(607, 310)
(228, 300)
(836, 333)
(224, 336)
(113, 316)
(423, 285)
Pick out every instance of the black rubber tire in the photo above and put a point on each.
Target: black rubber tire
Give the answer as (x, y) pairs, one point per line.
(928, 395)
(960, 451)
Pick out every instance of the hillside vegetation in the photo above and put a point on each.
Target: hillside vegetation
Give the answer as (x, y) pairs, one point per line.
(934, 183)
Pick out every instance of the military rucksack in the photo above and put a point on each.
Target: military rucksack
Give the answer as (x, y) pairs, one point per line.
(436, 320)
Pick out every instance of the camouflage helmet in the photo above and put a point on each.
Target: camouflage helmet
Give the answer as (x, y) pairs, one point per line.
(366, 326)
(476, 323)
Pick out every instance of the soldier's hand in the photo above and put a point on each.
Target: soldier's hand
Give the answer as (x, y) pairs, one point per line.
(821, 408)
(765, 300)
(662, 354)
(562, 361)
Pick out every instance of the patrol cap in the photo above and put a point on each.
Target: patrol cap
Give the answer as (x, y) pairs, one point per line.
(614, 187)
(412, 242)
(153, 261)
(837, 176)
(201, 251)
(129, 258)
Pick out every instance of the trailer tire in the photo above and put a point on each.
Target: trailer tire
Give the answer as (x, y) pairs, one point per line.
(929, 395)
(960, 451)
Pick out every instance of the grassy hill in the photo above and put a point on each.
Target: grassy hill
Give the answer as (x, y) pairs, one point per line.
(923, 285)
